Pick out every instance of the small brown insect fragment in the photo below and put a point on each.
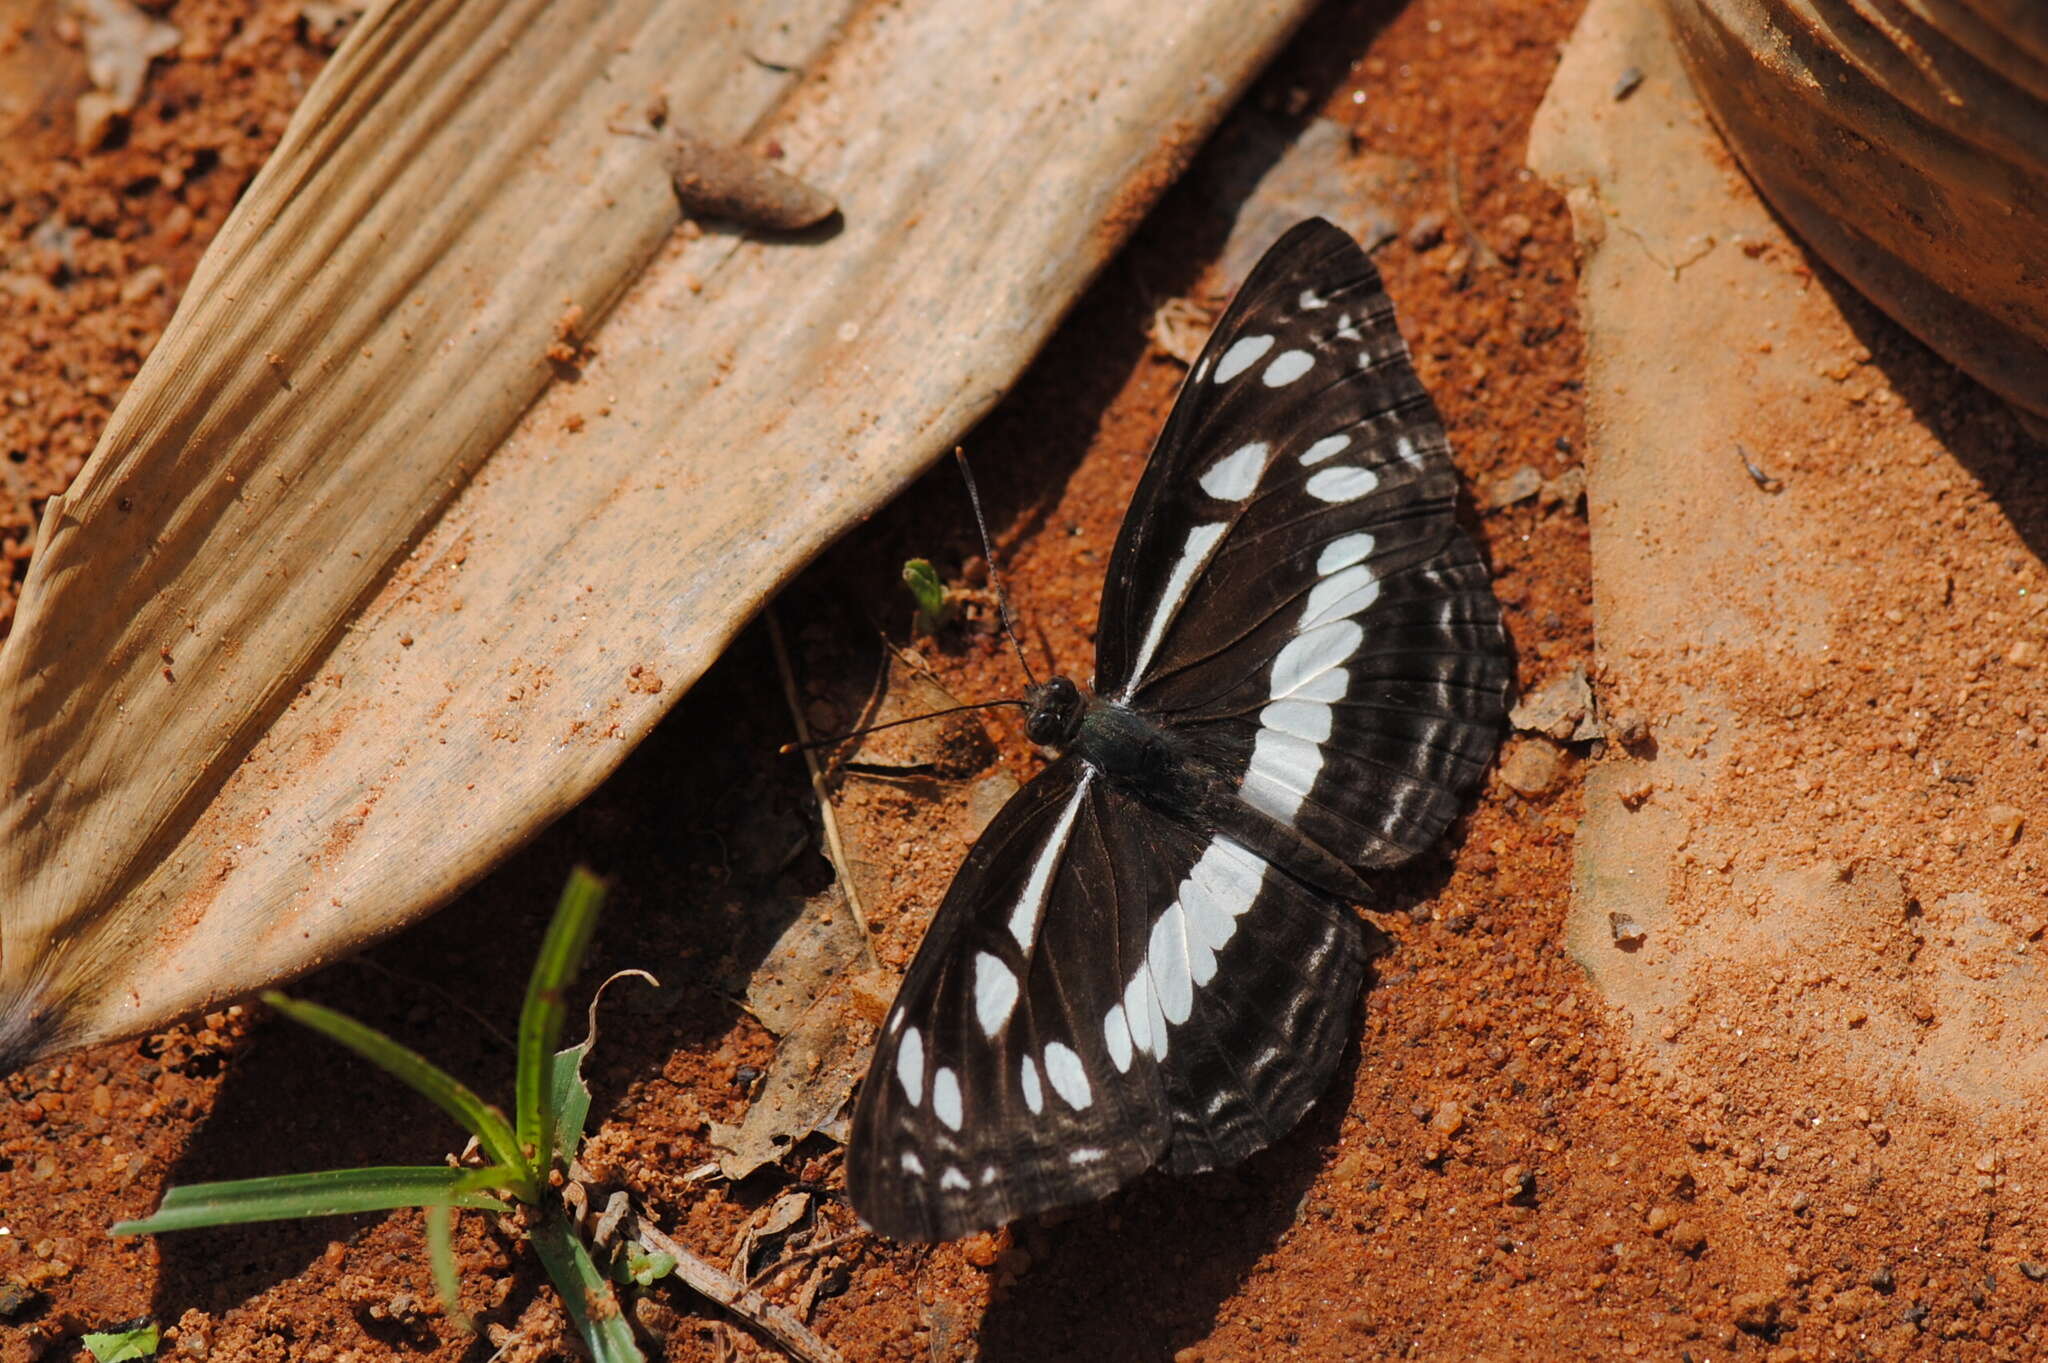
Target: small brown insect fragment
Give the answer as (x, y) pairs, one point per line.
(715, 181)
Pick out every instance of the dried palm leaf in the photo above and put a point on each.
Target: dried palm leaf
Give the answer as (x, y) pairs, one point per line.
(357, 592)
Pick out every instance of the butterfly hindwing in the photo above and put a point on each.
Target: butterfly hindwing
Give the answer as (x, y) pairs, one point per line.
(1124, 1015)
(948, 1099)
(1291, 588)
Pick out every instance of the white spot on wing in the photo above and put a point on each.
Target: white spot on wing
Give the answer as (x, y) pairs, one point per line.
(1344, 551)
(1347, 331)
(1034, 1096)
(995, 993)
(1166, 956)
(911, 1163)
(1068, 1079)
(910, 1066)
(1324, 448)
(1343, 594)
(953, 1178)
(1233, 477)
(1341, 484)
(1024, 918)
(1288, 366)
(1327, 686)
(1201, 541)
(1116, 1035)
(1310, 301)
(1219, 888)
(1139, 1012)
(1310, 654)
(946, 1097)
(1282, 772)
(1406, 449)
(1241, 356)
(1180, 955)
(1309, 719)
(1086, 1154)
(1155, 1024)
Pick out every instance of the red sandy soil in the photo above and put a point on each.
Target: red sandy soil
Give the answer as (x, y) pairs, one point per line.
(1491, 1176)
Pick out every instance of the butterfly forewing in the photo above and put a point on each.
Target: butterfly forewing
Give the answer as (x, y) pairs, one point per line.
(1116, 979)
(1292, 589)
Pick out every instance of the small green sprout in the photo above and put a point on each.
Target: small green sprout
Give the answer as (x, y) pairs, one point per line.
(550, 1104)
(934, 603)
(637, 1266)
(124, 1345)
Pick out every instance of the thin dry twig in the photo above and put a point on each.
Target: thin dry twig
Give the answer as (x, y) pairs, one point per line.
(1454, 182)
(792, 1257)
(834, 846)
(715, 1284)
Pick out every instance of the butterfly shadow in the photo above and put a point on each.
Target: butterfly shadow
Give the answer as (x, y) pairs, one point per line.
(1145, 1273)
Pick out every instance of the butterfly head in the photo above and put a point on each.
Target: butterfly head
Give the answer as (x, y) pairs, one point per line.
(1056, 707)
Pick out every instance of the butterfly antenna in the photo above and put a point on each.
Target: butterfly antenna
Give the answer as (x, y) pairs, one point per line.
(989, 556)
(808, 744)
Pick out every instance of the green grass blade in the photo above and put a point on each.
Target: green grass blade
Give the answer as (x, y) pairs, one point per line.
(330, 1193)
(569, 1096)
(454, 1097)
(441, 1257)
(593, 1306)
(546, 1011)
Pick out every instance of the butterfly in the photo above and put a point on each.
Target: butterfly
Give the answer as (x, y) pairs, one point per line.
(1150, 955)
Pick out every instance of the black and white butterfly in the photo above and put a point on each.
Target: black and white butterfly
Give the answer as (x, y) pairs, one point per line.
(1150, 955)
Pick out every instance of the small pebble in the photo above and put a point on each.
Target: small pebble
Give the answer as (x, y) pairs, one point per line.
(1533, 767)
(16, 1297)
(982, 1250)
(1756, 1312)
(1426, 231)
(1628, 935)
(1567, 490)
(1627, 728)
(1519, 486)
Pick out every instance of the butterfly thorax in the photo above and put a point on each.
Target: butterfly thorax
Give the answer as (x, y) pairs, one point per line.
(1128, 749)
